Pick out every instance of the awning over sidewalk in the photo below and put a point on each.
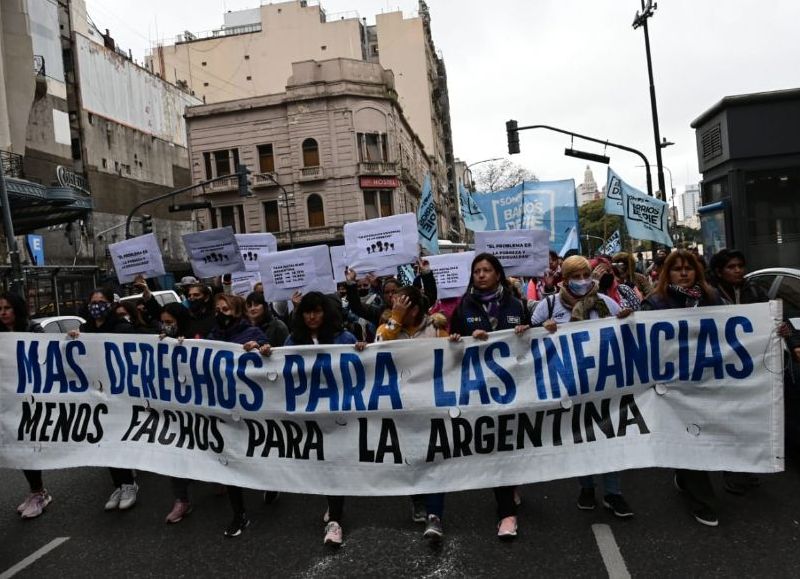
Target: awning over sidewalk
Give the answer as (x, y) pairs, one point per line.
(34, 206)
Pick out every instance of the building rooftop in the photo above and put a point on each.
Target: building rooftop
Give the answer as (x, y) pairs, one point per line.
(747, 99)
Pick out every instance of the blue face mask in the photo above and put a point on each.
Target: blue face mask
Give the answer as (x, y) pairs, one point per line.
(580, 287)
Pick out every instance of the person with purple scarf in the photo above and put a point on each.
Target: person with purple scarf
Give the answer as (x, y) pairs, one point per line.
(489, 306)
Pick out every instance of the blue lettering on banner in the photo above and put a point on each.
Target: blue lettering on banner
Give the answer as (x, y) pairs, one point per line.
(613, 356)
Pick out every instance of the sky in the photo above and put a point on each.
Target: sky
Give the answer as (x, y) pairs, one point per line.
(573, 64)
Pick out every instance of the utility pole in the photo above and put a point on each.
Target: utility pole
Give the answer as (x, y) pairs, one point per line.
(641, 21)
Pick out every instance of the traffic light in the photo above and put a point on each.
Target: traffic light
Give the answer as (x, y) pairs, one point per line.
(147, 224)
(244, 186)
(513, 137)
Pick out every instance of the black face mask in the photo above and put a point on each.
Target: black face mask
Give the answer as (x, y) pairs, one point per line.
(606, 281)
(197, 306)
(363, 292)
(224, 320)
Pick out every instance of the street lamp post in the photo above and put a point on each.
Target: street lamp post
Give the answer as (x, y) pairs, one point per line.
(286, 202)
(641, 20)
(469, 170)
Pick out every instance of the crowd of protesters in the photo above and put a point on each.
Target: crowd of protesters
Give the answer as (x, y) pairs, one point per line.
(371, 309)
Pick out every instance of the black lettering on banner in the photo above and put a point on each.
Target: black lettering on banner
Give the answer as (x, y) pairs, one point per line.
(288, 438)
(61, 422)
(511, 432)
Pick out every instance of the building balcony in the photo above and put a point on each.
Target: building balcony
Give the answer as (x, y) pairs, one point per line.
(377, 168)
(307, 174)
(230, 183)
(13, 165)
(265, 179)
(411, 180)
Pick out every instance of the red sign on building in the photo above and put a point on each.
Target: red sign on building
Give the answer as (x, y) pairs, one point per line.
(379, 182)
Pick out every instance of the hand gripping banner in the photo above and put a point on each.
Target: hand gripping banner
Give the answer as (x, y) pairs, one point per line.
(697, 388)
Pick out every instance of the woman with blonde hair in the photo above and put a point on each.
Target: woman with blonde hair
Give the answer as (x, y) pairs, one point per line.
(579, 299)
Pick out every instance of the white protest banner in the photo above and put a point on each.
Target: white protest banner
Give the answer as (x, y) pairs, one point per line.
(251, 245)
(701, 389)
(338, 262)
(452, 272)
(377, 244)
(520, 251)
(242, 282)
(137, 256)
(213, 252)
(305, 269)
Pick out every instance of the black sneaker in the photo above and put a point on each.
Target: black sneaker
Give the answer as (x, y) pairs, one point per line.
(706, 516)
(586, 500)
(735, 487)
(617, 505)
(270, 497)
(419, 514)
(239, 523)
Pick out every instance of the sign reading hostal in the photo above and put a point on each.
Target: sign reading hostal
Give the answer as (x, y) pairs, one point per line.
(379, 182)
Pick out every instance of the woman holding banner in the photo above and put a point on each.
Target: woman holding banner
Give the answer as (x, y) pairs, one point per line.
(231, 325)
(103, 320)
(488, 306)
(14, 318)
(682, 284)
(317, 319)
(578, 299)
(407, 320)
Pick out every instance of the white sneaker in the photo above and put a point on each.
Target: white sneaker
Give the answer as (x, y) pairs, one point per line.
(112, 504)
(333, 534)
(128, 496)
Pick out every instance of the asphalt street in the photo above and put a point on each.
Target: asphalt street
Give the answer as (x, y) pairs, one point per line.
(759, 534)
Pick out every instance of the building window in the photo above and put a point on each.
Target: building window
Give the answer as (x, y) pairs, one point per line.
(249, 78)
(372, 147)
(207, 165)
(247, 57)
(272, 222)
(378, 204)
(233, 216)
(205, 84)
(266, 160)
(316, 212)
(220, 163)
(310, 153)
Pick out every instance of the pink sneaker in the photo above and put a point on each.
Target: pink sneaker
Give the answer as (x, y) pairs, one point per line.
(179, 510)
(333, 534)
(37, 503)
(24, 504)
(507, 528)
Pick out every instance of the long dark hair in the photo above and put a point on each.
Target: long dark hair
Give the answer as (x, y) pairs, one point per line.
(496, 265)
(181, 315)
(20, 308)
(331, 321)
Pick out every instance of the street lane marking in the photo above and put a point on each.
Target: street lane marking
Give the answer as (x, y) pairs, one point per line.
(609, 551)
(33, 557)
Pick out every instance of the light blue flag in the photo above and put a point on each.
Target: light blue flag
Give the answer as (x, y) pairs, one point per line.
(426, 219)
(614, 186)
(646, 217)
(548, 205)
(405, 273)
(571, 242)
(612, 246)
(473, 217)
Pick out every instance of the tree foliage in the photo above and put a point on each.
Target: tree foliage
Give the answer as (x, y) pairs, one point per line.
(497, 175)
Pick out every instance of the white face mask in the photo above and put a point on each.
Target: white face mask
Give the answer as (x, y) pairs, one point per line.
(580, 287)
